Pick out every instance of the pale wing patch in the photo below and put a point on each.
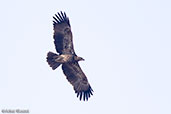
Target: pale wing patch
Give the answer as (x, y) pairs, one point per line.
(64, 58)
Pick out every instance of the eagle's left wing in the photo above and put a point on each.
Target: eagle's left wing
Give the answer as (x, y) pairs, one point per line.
(78, 79)
(62, 34)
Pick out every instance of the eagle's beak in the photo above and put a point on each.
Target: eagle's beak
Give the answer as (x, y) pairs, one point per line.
(81, 59)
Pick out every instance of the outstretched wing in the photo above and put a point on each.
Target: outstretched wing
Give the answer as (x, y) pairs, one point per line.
(78, 79)
(62, 34)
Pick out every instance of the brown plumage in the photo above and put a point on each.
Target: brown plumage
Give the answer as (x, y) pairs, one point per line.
(67, 57)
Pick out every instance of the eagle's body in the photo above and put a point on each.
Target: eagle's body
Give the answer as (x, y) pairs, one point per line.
(67, 57)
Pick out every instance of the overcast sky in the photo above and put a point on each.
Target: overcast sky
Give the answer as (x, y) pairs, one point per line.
(126, 45)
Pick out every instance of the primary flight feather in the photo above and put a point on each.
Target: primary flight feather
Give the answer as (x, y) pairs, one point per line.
(67, 57)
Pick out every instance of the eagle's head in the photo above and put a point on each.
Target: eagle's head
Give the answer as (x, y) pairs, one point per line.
(78, 58)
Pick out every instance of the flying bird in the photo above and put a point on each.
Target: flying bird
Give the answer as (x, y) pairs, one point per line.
(67, 57)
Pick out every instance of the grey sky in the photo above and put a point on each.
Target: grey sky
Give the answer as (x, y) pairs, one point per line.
(126, 46)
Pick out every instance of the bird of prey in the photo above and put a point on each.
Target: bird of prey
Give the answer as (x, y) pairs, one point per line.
(67, 57)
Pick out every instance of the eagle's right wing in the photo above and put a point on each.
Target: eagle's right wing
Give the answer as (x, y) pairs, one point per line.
(78, 80)
(62, 34)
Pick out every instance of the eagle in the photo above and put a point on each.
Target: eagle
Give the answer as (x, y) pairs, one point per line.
(67, 57)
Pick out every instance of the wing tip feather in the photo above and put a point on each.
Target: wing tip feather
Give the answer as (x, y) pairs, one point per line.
(85, 95)
(60, 17)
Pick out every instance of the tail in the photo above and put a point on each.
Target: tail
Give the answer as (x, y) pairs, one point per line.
(51, 60)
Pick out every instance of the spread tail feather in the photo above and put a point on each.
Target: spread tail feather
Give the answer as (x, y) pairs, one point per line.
(51, 60)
